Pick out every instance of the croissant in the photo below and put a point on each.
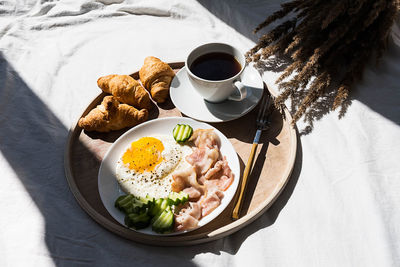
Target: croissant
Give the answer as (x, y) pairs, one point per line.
(126, 90)
(111, 115)
(156, 76)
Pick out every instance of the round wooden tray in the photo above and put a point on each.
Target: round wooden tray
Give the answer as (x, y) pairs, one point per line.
(274, 162)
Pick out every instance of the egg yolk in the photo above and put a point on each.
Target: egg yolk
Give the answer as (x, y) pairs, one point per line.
(144, 154)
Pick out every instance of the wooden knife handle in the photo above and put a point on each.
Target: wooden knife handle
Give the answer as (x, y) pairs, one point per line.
(238, 206)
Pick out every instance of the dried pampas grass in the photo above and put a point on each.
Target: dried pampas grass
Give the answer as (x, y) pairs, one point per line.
(329, 44)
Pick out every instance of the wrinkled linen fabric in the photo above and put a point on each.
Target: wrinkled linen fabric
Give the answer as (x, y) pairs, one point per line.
(341, 207)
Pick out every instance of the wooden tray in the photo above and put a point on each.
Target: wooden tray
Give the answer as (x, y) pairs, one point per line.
(274, 162)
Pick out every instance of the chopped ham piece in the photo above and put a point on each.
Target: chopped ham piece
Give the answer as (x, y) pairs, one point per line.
(205, 138)
(178, 183)
(203, 159)
(215, 172)
(193, 193)
(220, 175)
(211, 201)
(185, 222)
(185, 178)
(194, 210)
(222, 183)
(188, 217)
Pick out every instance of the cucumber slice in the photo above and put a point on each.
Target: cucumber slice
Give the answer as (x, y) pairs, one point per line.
(140, 212)
(156, 209)
(147, 201)
(123, 201)
(137, 207)
(137, 221)
(177, 198)
(164, 222)
(130, 204)
(182, 132)
(163, 205)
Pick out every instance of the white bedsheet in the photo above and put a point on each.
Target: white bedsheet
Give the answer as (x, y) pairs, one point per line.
(340, 208)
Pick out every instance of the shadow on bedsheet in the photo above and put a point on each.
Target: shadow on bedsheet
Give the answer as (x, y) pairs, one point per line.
(379, 88)
(32, 140)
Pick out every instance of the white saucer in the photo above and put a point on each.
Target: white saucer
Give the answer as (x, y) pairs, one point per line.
(189, 102)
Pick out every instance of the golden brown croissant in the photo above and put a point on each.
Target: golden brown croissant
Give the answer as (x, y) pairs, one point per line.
(126, 89)
(111, 115)
(156, 76)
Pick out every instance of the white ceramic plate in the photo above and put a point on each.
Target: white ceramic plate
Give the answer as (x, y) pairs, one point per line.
(189, 102)
(110, 190)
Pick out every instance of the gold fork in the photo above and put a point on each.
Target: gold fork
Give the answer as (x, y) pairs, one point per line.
(262, 123)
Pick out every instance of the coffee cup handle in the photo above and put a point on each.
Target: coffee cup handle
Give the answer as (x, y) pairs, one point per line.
(242, 90)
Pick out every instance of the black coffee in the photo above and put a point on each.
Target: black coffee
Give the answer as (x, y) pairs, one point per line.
(215, 66)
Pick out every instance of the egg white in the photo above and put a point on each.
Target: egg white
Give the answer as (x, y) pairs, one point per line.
(156, 183)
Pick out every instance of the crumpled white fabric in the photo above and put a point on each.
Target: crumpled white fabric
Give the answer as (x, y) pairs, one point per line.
(340, 208)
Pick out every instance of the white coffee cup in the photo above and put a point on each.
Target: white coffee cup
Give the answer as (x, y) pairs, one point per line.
(219, 90)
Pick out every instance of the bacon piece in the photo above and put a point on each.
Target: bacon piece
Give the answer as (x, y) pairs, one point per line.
(196, 156)
(185, 222)
(188, 217)
(215, 172)
(194, 210)
(203, 159)
(220, 175)
(205, 138)
(211, 201)
(193, 193)
(178, 183)
(221, 184)
(185, 178)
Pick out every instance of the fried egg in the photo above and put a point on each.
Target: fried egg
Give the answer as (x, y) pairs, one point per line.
(146, 167)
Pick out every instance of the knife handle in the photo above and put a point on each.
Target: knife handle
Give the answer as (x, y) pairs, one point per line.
(238, 206)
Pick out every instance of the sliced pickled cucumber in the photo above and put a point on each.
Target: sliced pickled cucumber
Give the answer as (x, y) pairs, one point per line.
(137, 221)
(177, 198)
(162, 207)
(159, 206)
(123, 201)
(147, 201)
(140, 212)
(130, 204)
(137, 207)
(182, 132)
(156, 208)
(164, 223)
